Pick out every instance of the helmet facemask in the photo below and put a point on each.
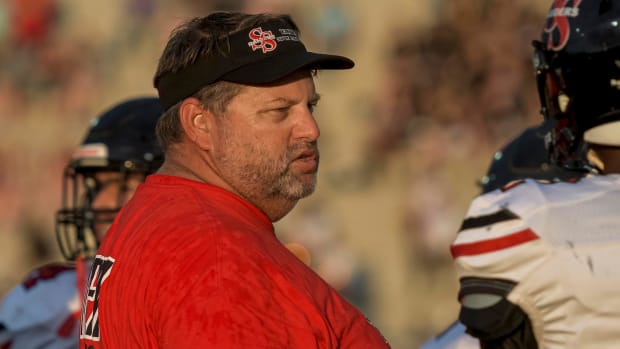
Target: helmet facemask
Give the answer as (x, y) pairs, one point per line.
(120, 149)
(83, 219)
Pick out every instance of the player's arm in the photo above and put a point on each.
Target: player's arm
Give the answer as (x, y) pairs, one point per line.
(489, 316)
(492, 241)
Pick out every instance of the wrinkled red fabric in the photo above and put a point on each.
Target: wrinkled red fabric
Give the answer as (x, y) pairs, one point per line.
(195, 266)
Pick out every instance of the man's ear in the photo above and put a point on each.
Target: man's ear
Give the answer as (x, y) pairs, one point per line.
(196, 122)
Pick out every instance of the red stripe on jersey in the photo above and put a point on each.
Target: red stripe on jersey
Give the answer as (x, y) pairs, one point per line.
(66, 329)
(492, 245)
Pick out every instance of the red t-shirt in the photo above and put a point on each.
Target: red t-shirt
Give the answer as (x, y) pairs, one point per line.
(190, 265)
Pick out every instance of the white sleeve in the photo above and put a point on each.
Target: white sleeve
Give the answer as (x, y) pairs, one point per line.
(497, 238)
(33, 316)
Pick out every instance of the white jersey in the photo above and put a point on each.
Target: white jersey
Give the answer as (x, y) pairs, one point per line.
(43, 311)
(560, 246)
(453, 338)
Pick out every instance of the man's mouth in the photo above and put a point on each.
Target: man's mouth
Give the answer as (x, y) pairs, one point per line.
(307, 160)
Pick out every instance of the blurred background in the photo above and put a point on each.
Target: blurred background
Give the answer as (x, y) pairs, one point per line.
(438, 87)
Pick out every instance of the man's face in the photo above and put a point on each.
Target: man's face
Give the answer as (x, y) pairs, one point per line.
(112, 194)
(266, 141)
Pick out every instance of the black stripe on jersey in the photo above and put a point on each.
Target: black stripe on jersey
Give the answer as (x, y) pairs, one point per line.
(481, 221)
(473, 285)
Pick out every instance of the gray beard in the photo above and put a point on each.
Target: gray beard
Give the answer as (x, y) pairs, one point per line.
(261, 180)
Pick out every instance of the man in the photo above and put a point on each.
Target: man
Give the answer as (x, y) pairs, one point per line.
(538, 262)
(525, 156)
(192, 261)
(119, 150)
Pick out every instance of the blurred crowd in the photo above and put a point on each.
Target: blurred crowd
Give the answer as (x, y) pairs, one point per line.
(447, 92)
(455, 92)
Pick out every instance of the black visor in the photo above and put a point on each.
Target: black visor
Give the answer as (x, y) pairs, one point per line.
(258, 55)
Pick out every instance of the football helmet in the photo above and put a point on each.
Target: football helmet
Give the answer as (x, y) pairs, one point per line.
(523, 157)
(121, 140)
(577, 65)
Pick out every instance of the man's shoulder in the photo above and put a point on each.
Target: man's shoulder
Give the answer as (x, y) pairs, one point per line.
(500, 221)
(526, 194)
(48, 273)
(46, 280)
(533, 214)
(47, 292)
(515, 196)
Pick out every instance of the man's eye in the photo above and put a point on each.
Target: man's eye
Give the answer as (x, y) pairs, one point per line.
(280, 113)
(282, 110)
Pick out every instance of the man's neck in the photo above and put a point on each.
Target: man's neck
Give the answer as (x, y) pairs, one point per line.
(609, 157)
